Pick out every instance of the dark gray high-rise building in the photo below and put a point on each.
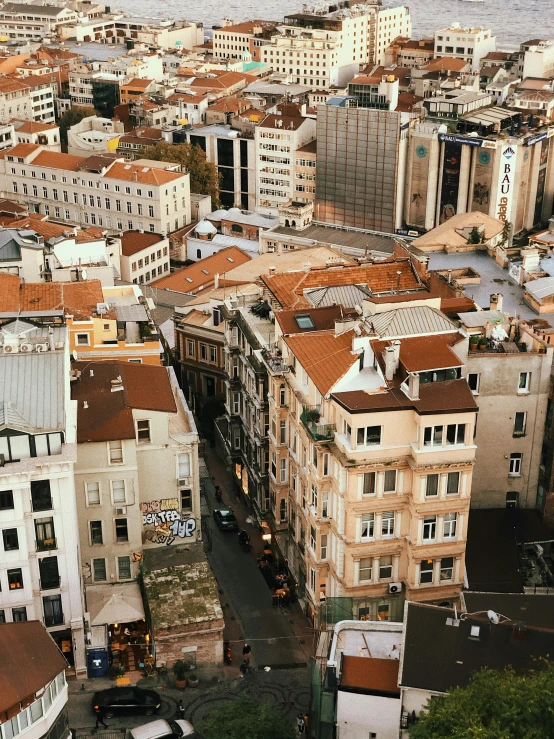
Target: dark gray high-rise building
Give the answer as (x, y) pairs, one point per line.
(361, 165)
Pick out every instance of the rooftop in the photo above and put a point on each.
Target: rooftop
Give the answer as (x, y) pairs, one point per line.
(134, 241)
(361, 242)
(310, 319)
(370, 675)
(250, 218)
(180, 588)
(193, 278)
(531, 610)
(325, 357)
(29, 660)
(78, 299)
(425, 353)
(448, 233)
(109, 414)
(412, 321)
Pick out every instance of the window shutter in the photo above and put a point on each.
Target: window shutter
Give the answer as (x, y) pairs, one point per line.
(360, 486)
(358, 528)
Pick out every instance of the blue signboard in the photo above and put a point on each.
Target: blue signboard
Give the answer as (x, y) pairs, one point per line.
(451, 139)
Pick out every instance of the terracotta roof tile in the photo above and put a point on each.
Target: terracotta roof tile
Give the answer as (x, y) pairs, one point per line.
(325, 357)
(9, 293)
(134, 241)
(288, 288)
(55, 160)
(32, 126)
(78, 299)
(422, 353)
(20, 150)
(193, 278)
(323, 318)
(144, 175)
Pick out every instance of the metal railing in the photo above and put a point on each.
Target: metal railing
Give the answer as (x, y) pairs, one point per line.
(45, 545)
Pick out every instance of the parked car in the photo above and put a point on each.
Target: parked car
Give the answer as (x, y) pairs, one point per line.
(126, 700)
(161, 729)
(225, 519)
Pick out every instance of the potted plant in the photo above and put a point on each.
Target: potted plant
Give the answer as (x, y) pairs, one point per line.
(473, 341)
(180, 670)
(310, 415)
(192, 679)
(483, 343)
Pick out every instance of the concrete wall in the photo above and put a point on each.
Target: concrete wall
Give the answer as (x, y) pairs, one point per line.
(359, 715)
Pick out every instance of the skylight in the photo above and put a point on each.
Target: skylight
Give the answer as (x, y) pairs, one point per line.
(305, 321)
(205, 271)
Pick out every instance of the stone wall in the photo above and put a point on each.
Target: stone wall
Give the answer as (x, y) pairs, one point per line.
(206, 637)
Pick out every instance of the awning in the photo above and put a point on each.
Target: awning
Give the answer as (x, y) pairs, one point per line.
(111, 604)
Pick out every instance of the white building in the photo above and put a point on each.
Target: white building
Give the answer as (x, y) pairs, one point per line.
(34, 22)
(162, 34)
(277, 139)
(538, 60)
(30, 99)
(93, 134)
(98, 190)
(144, 256)
(469, 44)
(36, 702)
(40, 572)
(37, 132)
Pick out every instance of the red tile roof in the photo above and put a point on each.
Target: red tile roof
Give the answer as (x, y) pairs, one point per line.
(325, 357)
(202, 274)
(144, 175)
(133, 241)
(78, 299)
(422, 353)
(20, 150)
(53, 159)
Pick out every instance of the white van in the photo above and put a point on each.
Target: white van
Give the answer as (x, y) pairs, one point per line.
(161, 729)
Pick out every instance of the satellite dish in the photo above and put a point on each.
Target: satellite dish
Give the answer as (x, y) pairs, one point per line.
(493, 617)
(84, 274)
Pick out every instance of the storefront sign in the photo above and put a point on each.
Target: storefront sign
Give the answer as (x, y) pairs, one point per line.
(506, 176)
(460, 139)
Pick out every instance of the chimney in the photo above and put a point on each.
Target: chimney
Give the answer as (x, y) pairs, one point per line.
(344, 324)
(135, 175)
(396, 347)
(390, 363)
(271, 271)
(85, 404)
(51, 342)
(413, 387)
(216, 280)
(496, 301)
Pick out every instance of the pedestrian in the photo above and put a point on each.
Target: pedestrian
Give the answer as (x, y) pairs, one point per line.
(300, 723)
(100, 720)
(180, 709)
(243, 669)
(246, 652)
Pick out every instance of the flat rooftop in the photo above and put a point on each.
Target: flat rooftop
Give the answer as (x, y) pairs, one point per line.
(358, 239)
(494, 279)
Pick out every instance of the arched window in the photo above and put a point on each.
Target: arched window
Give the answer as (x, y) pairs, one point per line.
(199, 253)
(235, 228)
(293, 224)
(287, 223)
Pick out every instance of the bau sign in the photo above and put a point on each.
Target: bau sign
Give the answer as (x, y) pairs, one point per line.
(505, 183)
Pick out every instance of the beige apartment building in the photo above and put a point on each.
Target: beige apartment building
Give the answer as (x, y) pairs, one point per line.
(371, 453)
(136, 477)
(304, 173)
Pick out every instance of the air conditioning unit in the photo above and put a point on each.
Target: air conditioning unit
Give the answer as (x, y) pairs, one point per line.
(395, 587)
(25, 347)
(42, 347)
(121, 511)
(183, 481)
(11, 348)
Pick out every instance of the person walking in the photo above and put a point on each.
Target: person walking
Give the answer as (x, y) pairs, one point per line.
(244, 667)
(300, 723)
(100, 720)
(180, 710)
(247, 652)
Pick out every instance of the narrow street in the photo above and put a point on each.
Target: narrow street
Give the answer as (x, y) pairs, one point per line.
(279, 636)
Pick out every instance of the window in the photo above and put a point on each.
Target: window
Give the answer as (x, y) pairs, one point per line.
(82, 339)
(282, 395)
(6, 500)
(15, 579)
(453, 483)
(390, 481)
(283, 470)
(121, 530)
(143, 431)
(369, 435)
(473, 382)
(45, 534)
(387, 523)
(524, 382)
(92, 490)
(520, 420)
(124, 568)
(455, 433)
(11, 542)
(450, 522)
(314, 497)
(426, 571)
(432, 436)
(283, 511)
(2, 617)
(186, 499)
(368, 487)
(323, 547)
(429, 528)
(274, 465)
(99, 570)
(515, 464)
(283, 432)
(447, 568)
(96, 536)
(368, 525)
(512, 499)
(40, 495)
(213, 354)
(190, 348)
(431, 486)
(325, 504)
(203, 352)
(20, 614)
(115, 452)
(365, 569)
(385, 567)
(312, 579)
(184, 465)
(53, 615)
(118, 492)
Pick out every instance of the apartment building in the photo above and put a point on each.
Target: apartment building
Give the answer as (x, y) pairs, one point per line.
(469, 44)
(156, 33)
(136, 477)
(93, 135)
(40, 571)
(235, 40)
(144, 256)
(325, 49)
(100, 190)
(36, 701)
(305, 173)
(277, 140)
(22, 99)
(371, 457)
(538, 60)
(24, 21)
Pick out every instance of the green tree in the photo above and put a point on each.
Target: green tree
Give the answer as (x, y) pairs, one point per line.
(204, 177)
(475, 237)
(494, 705)
(71, 117)
(245, 718)
(506, 232)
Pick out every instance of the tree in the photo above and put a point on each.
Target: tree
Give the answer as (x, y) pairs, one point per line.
(71, 117)
(475, 237)
(494, 705)
(506, 233)
(245, 718)
(204, 177)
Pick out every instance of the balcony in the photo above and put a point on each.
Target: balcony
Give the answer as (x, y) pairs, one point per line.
(56, 619)
(50, 583)
(46, 545)
(275, 363)
(311, 419)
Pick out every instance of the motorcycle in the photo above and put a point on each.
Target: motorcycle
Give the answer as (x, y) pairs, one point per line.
(244, 541)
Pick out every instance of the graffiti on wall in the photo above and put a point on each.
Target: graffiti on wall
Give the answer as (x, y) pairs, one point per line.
(166, 521)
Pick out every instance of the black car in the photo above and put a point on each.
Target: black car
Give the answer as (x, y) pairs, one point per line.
(126, 700)
(225, 519)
